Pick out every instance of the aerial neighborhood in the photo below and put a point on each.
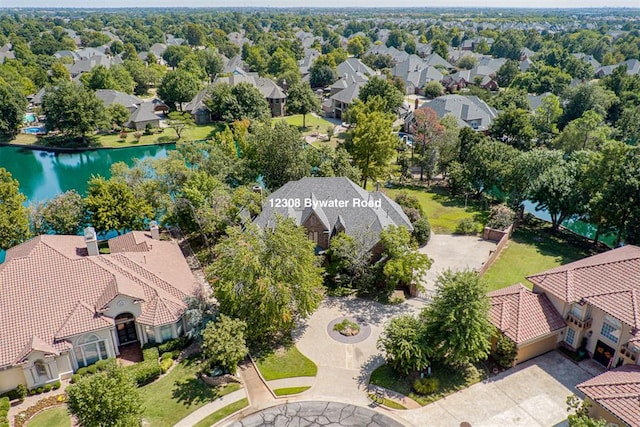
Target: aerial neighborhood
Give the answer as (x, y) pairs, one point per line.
(350, 217)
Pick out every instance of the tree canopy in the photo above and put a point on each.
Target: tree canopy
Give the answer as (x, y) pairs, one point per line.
(14, 222)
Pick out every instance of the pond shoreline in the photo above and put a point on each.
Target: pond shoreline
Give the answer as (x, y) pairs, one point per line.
(37, 147)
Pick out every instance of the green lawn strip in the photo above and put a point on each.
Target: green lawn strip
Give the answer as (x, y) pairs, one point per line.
(450, 379)
(167, 135)
(54, 417)
(443, 211)
(386, 402)
(285, 363)
(285, 391)
(223, 413)
(173, 397)
(313, 124)
(534, 249)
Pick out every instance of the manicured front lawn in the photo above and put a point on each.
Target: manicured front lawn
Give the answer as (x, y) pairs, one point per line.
(173, 397)
(167, 135)
(314, 124)
(285, 391)
(450, 379)
(54, 417)
(443, 211)
(286, 363)
(533, 249)
(223, 413)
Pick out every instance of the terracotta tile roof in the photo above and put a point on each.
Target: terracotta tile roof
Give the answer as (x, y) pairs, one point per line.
(51, 289)
(608, 281)
(35, 343)
(617, 391)
(522, 315)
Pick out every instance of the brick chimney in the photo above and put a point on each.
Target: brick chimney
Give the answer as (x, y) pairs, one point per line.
(155, 230)
(91, 240)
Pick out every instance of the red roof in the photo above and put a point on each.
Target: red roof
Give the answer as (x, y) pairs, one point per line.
(51, 289)
(523, 315)
(608, 281)
(617, 391)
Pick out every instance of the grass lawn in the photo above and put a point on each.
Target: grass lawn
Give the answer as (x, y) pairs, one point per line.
(289, 390)
(286, 363)
(21, 138)
(314, 124)
(168, 400)
(533, 249)
(386, 402)
(451, 380)
(443, 211)
(54, 417)
(168, 135)
(223, 413)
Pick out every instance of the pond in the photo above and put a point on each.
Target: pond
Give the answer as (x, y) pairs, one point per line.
(579, 227)
(44, 174)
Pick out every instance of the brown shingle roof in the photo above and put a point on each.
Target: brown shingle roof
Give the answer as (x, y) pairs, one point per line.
(51, 289)
(617, 391)
(608, 281)
(522, 315)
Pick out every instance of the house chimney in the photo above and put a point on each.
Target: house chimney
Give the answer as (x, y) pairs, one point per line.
(155, 230)
(257, 189)
(91, 240)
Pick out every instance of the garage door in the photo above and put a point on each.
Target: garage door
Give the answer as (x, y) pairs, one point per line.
(537, 348)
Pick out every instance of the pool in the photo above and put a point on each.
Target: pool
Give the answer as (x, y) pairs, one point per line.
(34, 130)
(29, 118)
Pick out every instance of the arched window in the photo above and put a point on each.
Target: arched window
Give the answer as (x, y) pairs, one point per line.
(89, 349)
(41, 369)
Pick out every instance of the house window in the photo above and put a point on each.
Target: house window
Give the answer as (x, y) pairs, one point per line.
(89, 350)
(40, 371)
(576, 311)
(611, 329)
(151, 334)
(571, 336)
(166, 332)
(179, 327)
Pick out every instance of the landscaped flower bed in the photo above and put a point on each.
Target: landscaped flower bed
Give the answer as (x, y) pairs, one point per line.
(347, 328)
(21, 419)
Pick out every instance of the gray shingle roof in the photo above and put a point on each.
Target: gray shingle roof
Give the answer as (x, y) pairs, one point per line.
(466, 109)
(364, 222)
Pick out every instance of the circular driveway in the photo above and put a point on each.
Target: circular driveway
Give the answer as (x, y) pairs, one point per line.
(317, 414)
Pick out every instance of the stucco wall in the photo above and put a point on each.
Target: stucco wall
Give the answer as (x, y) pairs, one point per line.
(10, 378)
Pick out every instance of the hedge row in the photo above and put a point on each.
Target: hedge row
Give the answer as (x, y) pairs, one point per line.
(174, 346)
(149, 369)
(100, 365)
(45, 388)
(4, 411)
(18, 393)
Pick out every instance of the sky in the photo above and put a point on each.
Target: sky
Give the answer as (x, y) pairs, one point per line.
(321, 3)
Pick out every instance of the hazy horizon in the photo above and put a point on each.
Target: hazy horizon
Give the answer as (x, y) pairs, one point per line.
(495, 4)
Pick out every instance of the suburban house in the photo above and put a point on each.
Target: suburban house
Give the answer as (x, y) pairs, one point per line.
(469, 111)
(328, 206)
(415, 74)
(528, 319)
(633, 68)
(84, 60)
(274, 95)
(614, 396)
(6, 52)
(66, 304)
(141, 113)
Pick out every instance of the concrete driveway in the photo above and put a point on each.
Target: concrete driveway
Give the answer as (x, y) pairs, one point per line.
(454, 252)
(531, 395)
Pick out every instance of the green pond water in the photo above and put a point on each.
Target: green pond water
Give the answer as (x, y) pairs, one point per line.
(44, 174)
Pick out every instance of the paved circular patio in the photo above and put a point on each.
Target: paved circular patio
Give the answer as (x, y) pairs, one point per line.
(317, 414)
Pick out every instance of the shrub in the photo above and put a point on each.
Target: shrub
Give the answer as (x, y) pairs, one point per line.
(422, 231)
(32, 392)
(467, 227)
(137, 136)
(47, 387)
(123, 135)
(39, 390)
(175, 346)
(82, 371)
(166, 355)
(412, 213)
(75, 378)
(145, 372)
(92, 369)
(101, 365)
(501, 217)
(165, 364)
(18, 393)
(407, 200)
(56, 385)
(426, 386)
(148, 129)
(150, 354)
(4, 410)
(506, 351)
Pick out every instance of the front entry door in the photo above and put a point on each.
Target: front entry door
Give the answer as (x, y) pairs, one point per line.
(603, 353)
(127, 332)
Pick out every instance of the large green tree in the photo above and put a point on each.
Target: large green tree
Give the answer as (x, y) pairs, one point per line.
(106, 399)
(404, 345)
(302, 100)
(269, 278)
(373, 144)
(177, 87)
(232, 103)
(223, 342)
(14, 218)
(278, 153)
(457, 320)
(427, 131)
(404, 265)
(513, 126)
(73, 109)
(113, 206)
(12, 107)
(378, 86)
(64, 214)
